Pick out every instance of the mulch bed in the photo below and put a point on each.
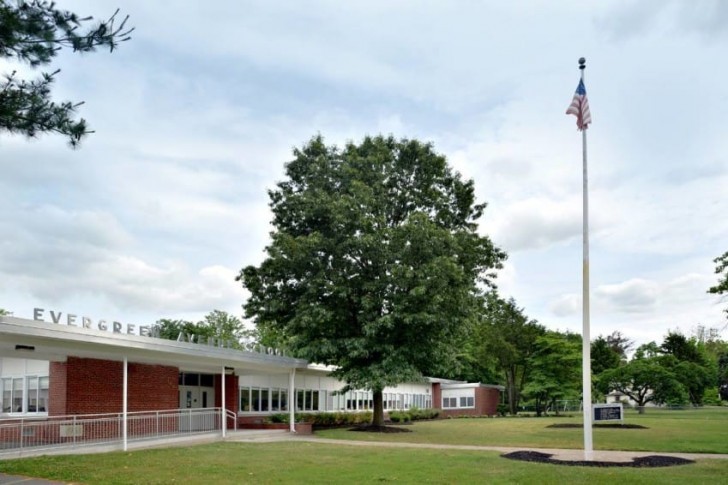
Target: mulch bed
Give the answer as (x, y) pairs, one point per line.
(599, 425)
(640, 462)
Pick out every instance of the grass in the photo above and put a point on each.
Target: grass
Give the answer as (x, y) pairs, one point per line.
(301, 462)
(689, 431)
(304, 462)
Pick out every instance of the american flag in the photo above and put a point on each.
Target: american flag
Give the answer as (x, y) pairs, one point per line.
(580, 107)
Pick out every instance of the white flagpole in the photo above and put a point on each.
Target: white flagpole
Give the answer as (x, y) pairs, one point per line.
(586, 339)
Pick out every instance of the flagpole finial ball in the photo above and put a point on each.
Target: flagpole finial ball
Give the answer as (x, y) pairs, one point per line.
(582, 63)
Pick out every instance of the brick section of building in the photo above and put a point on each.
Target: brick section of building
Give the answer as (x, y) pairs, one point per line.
(436, 395)
(57, 389)
(231, 392)
(232, 395)
(91, 386)
(486, 404)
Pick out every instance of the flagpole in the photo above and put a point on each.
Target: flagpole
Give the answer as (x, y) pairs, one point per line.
(586, 339)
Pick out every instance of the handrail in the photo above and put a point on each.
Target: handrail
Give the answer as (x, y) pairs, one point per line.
(231, 415)
(17, 435)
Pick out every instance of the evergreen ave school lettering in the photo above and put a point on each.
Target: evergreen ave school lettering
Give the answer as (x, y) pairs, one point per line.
(86, 322)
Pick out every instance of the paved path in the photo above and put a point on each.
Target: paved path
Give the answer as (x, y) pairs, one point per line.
(557, 453)
(16, 479)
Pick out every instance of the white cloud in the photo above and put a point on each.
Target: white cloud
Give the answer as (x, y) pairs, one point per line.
(631, 296)
(196, 116)
(535, 223)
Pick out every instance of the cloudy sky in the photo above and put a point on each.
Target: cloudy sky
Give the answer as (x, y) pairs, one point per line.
(195, 117)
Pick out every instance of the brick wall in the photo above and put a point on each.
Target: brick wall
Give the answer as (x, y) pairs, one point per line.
(57, 389)
(487, 400)
(232, 393)
(95, 386)
(436, 395)
(486, 404)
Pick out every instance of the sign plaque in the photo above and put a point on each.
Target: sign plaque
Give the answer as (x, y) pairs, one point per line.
(608, 412)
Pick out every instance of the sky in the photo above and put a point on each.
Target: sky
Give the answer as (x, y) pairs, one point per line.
(195, 117)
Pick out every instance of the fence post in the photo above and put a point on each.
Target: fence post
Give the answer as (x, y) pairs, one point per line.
(73, 431)
(22, 432)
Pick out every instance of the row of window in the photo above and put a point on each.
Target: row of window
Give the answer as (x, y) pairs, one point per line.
(257, 399)
(452, 402)
(28, 394)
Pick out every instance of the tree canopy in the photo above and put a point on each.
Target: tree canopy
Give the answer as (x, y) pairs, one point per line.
(555, 369)
(33, 32)
(217, 324)
(721, 269)
(375, 264)
(645, 380)
(507, 335)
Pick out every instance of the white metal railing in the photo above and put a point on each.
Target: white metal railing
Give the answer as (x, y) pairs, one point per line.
(21, 434)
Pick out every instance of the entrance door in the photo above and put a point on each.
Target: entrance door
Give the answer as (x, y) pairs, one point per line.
(189, 397)
(196, 392)
(194, 397)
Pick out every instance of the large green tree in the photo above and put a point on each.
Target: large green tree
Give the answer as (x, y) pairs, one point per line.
(721, 268)
(507, 335)
(555, 370)
(687, 359)
(32, 33)
(604, 357)
(375, 264)
(645, 380)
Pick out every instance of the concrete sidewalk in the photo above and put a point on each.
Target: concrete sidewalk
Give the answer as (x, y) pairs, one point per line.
(16, 479)
(557, 453)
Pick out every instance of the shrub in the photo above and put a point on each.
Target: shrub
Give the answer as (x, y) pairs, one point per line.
(502, 409)
(277, 418)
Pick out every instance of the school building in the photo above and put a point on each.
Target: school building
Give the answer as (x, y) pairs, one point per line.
(57, 364)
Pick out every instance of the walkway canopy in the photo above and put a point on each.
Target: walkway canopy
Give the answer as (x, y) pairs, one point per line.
(30, 339)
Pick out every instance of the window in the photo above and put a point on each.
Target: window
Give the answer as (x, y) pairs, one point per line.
(43, 394)
(28, 394)
(275, 400)
(191, 379)
(207, 380)
(18, 395)
(449, 402)
(245, 399)
(7, 399)
(471, 402)
(32, 404)
(463, 401)
(255, 399)
(299, 399)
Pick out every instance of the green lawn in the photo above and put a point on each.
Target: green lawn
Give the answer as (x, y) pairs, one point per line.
(305, 462)
(302, 462)
(693, 431)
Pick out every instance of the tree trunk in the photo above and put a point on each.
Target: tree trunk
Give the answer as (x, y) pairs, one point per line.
(512, 399)
(378, 415)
